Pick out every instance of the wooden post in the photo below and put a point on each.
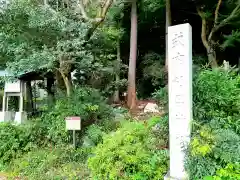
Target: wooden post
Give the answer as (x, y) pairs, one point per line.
(7, 103)
(74, 139)
(4, 103)
(21, 102)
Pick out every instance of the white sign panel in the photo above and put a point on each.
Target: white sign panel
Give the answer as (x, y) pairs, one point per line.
(180, 95)
(73, 123)
(14, 87)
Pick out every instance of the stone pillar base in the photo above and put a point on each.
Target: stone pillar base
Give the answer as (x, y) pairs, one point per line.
(20, 117)
(168, 177)
(6, 116)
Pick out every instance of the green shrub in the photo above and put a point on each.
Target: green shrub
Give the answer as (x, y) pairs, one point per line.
(230, 122)
(211, 150)
(36, 132)
(50, 128)
(84, 102)
(10, 141)
(16, 140)
(153, 69)
(57, 163)
(216, 138)
(161, 96)
(230, 172)
(216, 93)
(129, 153)
(216, 132)
(93, 135)
(160, 128)
(199, 161)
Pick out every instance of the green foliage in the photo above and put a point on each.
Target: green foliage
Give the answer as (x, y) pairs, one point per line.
(16, 140)
(153, 74)
(36, 37)
(215, 141)
(161, 96)
(53, 40)
(231, 40)
(216, 94)
(199, 162)
(95, 134)
(84, 102)
(199, 60)
(226, 21)
(227, 148)
(153, 69)
(49, 131)
(56, 163)
(202, 144)
(230, 172)
(129, 153)
(199, 167)
(152, 5)
(210, 151)
(160, 127)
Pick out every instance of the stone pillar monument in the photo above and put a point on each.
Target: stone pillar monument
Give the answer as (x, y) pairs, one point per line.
(180, 96)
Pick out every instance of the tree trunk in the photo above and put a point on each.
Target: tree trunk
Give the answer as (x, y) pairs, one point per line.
(45, 2)
(116, 93)
(57, 5)
(29, 97)
(68, 83)
(59, 81)
(117, 78)
(50, 92)
(212, 59)
(168, 23)
(131, 101)
(239, 64)
(207, 42)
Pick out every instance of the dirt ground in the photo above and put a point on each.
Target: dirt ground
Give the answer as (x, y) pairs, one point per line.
(138, 112)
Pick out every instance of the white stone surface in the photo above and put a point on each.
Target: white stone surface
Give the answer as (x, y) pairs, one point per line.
(151, 108)
(20, 117)
(226, 65)
(180, 95)
(167, 177)
(6, 116)
(73, 75)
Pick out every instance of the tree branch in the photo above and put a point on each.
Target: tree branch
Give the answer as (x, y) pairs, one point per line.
(99, 19)
(217, 11)
(100, 15)
(82, 10)
(105, 8)
(225, 21)
(204, 28)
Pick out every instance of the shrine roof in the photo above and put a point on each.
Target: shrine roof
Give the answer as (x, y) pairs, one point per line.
(27, 76)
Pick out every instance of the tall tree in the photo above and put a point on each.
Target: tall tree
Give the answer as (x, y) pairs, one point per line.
(49, 39)
(114, 21)
(168, 23)
(214, 22)
(40, 39)
(131, 100)
(117, 75)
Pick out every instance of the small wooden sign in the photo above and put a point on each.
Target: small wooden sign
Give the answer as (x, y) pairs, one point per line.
(73, 123)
